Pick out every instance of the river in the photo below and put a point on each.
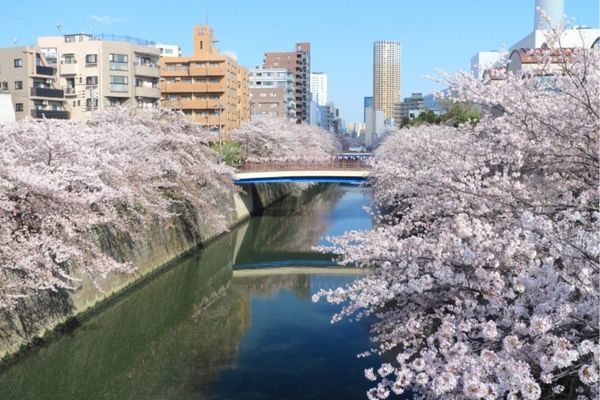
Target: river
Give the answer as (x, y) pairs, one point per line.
(231, 321)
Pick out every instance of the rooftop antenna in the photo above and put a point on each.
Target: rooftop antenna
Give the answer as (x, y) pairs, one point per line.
(59, 26)
(16, 26)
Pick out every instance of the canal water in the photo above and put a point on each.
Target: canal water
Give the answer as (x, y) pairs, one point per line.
(232, 321)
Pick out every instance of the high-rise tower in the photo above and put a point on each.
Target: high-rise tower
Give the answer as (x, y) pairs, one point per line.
(553, 9)
(386, 76)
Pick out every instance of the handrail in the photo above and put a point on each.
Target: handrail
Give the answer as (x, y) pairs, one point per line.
(349, 165)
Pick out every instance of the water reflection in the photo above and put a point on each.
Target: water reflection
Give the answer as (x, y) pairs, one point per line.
(204, 331)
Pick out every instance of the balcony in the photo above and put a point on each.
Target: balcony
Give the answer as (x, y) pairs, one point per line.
(43, 70)
(143, 91)
(146, 70)
(50, 114)
(69, 91)
(47, 92)
(119, 88)
(171, 71)
(207, 70)
(179, 87)
(68, 68)
(190, 104)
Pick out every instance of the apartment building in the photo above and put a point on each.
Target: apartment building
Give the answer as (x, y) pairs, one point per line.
(298, 63)
(32, 84)
(103, 71)
(318, 87)
(208, 86)
(272, 92)
(410, 108)
(168, 50)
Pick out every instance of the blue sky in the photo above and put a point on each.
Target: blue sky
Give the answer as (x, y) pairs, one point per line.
(434, 33)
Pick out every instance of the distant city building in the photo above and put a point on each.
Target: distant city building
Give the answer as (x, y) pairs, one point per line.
(272, 92)
(368, 102)
(410, 108)
(374, 126)
(386, 76)
(431, 104)
(318, 87)
(298, 63)
(208, 86)
(168, 50)
(29, 82)
(484, 60)
(104, 71)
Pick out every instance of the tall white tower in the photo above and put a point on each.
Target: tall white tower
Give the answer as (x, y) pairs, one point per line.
(318, 87)
(554, 9)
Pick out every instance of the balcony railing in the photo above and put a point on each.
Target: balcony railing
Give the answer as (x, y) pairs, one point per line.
(50, 114)
(47, 92)
(43, 70)
(119, 87)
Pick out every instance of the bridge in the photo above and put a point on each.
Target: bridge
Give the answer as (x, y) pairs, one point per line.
(341, 170)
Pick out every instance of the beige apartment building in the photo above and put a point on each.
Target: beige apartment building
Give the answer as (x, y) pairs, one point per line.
(31, 83)
(298, 63)
(386, 76)
(103, 71)
(208, 86)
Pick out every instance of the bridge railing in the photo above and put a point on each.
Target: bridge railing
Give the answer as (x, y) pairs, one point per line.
(341, 164)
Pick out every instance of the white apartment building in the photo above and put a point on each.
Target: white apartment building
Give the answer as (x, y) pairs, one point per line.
(272, 92)
(318, 87)
(168, 50)
(97, 71)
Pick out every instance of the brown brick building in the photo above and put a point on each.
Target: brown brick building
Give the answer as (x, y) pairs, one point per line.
(298, 63)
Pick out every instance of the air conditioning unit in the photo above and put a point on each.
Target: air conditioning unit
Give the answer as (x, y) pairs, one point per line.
(45, 102)
(177, 79)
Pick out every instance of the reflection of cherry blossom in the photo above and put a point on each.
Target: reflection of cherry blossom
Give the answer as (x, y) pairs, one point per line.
(484, 268)
(59, 180)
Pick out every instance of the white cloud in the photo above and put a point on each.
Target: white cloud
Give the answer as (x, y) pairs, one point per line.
(106, 20)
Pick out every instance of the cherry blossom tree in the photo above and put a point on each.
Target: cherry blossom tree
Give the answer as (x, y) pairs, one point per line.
(484, 274)
(61, 180)
(277, 140)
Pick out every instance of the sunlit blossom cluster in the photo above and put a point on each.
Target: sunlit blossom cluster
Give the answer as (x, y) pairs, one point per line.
(483, 275)
(277, 140)
(60, 180)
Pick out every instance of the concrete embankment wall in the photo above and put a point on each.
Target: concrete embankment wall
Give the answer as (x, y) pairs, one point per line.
(161, 244)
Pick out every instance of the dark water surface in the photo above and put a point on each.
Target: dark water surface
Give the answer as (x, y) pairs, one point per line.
(233, 321)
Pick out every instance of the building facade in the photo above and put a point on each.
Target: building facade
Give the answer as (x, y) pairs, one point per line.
(104, 71)
(210, 87)
(367, 103)
(386, 76)
(410, 108)
(298, 63)
(32, 83)
(168, 50)
(272, 92)
(318, 87)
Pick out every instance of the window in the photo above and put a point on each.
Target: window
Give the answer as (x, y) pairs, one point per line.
(69, 39)
(91, 59)
(5, 86)
(91, 80)
(18, 62)
(19, 107)
(118, 83)
(122, 58)
(18, 85)
(118, 62)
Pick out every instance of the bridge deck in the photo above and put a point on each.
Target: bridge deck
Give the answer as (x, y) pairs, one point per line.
(354, 176)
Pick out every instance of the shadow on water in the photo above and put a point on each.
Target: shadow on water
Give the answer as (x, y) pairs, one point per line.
(200, 330)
